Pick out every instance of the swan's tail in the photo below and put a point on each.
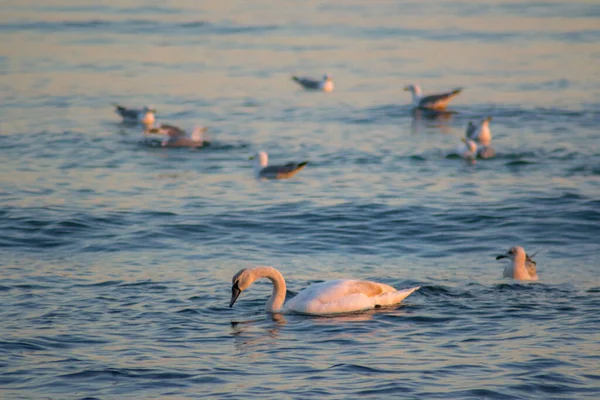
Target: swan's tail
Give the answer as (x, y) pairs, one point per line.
(391, 298)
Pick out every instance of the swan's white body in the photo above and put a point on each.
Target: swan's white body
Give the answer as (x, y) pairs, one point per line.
(480, 132)
(325, 298)
(518, 268)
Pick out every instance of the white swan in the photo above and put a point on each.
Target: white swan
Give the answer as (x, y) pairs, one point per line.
(330, 297)
(522, 266)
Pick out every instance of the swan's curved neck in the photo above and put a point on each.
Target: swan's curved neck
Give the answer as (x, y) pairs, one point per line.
(277, 298)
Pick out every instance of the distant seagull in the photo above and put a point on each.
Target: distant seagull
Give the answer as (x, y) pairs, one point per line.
(263, 170)
(431, 102)
(178, 137)
(480, 132)
(519, 268)
(131, 115)
(325, 84)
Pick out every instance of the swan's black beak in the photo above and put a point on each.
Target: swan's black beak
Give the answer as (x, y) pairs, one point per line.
(235, 293)
(501, 256)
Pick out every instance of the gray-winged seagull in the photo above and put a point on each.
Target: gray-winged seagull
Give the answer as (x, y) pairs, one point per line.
(263, 170)
(433, 101)
(132, 115)
(325, 84)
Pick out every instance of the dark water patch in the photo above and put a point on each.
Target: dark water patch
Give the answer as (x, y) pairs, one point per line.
(136, 27)
(98, 284)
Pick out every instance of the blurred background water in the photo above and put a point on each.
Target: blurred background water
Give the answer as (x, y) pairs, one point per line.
(116, 258)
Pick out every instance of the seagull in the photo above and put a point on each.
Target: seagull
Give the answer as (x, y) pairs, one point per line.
(326, 84)
(261, 170)
(433, 101)
(178, 137)
(519, 268)
(131, 115)
(480, 132)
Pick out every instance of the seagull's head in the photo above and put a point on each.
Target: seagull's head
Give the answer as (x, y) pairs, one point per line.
(413, 88)
(261, 159)
(326, 77)
(149, 109)
(514, 253)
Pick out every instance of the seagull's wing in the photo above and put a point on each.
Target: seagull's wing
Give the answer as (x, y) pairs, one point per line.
(282, 171)
(171, 130)
(438, 101)
(126, 113)
(307, 83)
(471, 129)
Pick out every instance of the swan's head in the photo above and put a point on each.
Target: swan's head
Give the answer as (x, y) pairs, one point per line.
(239, 282)
(516, 252)
(261, 159)
(413, 88)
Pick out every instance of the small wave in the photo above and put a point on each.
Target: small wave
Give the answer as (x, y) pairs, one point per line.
(359, 369)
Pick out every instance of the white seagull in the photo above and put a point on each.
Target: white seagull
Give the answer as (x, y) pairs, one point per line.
(522, 267)
(325, 298)
(480, 132)
(263, 170)
(430, 102)
(178, 137)
(325, 84)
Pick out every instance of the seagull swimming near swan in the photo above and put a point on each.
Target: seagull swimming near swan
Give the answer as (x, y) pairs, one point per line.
(325, 84)
(263, 170)
(522, 267)
(325, 298)
(178, 137)
(132, 115)
(480, 132)
(430, 102)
